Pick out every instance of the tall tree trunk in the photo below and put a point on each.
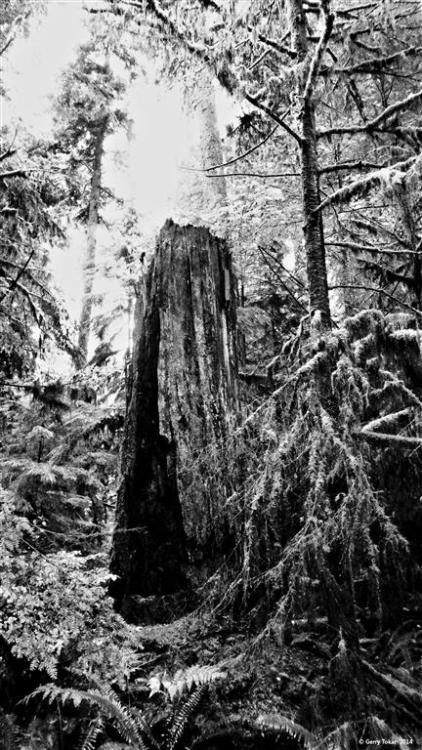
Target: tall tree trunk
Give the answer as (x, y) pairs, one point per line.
(210, 141)
(171, 515)
(91, 246)
(204, 195)
(313, 226)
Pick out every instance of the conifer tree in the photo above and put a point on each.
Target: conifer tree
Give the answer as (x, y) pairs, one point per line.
(87, 112)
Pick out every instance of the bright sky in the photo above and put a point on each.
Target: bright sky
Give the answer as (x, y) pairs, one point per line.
(149, 174)
(161, 137)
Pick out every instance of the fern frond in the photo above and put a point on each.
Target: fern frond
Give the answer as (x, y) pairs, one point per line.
(185, 679)
(144, 729)
(283, 725)
(183, 715)
(343, 736)
(106, 701)
(96, 726)
(114, 746)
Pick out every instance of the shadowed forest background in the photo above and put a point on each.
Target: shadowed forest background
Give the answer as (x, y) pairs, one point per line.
(211, 375)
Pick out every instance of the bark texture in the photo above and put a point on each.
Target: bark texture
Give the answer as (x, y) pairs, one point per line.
(170, 512)
(313, 226)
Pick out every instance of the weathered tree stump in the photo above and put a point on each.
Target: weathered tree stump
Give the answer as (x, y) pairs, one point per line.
(171, 515)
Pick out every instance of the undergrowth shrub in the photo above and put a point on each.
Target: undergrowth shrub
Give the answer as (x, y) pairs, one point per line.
(55, 608)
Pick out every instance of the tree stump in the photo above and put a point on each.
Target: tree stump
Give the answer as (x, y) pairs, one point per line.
(171, 517)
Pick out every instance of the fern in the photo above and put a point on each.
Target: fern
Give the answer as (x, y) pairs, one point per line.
(183, 715)
(95, 728)
(108, 703)
(283, 725)
(185, 679)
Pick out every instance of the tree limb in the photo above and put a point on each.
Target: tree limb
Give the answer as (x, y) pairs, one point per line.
(256, 103)
(328, 168)
(376, 64)
(275, 45)
(241, 156)
(374, 124)
(15, 282)
(399, 440)
(377, 290)
(255, 174)
(371, 248)
(364, 183)
(319, 51)
(389, 420)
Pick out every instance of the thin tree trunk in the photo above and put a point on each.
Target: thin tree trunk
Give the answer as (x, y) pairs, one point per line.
(313, 226)
(171, 514)
(210, 141)
(91, 246)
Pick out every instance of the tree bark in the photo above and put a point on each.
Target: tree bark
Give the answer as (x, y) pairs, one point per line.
(171, 513)
(91, 247)
(313, 225)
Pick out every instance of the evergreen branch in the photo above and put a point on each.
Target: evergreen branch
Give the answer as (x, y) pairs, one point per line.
(365, 183)
(319, 51)
(28, 271)
(389, 420)
(374, 227)
(377, 64)
(396, 687)
(22, 270)
(263, 175)
(389, 275)
(328, 168)
(377, 290)
(28, 296)
(275, 45)
(396, 107)
(370, 248)
(154, 6)
(374, 124)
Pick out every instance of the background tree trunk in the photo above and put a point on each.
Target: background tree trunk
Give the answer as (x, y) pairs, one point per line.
(170, 511)
(91, 246)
